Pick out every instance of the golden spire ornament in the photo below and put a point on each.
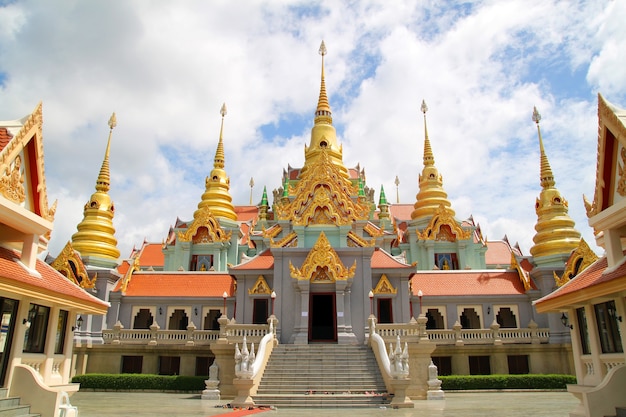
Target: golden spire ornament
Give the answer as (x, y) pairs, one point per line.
(556, 233)
(95, 238)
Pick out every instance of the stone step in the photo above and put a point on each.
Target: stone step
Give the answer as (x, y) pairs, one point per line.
(338, 400)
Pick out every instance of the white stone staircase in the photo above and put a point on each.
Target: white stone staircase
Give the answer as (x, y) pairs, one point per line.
(322, 375)
(10, 406)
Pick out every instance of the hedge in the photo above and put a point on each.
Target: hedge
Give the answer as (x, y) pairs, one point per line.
(127, 382)
(526, 381)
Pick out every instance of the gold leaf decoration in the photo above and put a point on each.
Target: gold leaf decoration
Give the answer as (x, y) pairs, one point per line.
(322, 264)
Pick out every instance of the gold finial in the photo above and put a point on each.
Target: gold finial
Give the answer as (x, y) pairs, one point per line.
(112, 121)
(536, 115)
(429, 158)
(424, 107)
(223, 111)
(397, 182)
(251, 186)
(546, 177)
(322, 50)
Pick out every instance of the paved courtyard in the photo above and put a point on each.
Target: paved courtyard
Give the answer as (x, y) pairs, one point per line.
(463, 404)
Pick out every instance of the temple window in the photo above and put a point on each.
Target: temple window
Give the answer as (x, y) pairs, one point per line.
(446, 261)
(201, 263)
(178, 320)
(506, 317)
(469, 319)
(210, 320)
(608, 328)
(479, 365)
(518, 364)
(169, 365)
(583, 331)
(143, 319)
(35, 337)
(435, 319)
(132, 364)
(59, 343)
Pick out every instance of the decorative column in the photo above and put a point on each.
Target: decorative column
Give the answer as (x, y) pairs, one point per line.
(301, 328)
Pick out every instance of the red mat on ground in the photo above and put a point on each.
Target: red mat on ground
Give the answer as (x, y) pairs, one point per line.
(241, 413)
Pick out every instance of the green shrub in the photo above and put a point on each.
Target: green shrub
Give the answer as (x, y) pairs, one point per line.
(484, 382)
(128, 382)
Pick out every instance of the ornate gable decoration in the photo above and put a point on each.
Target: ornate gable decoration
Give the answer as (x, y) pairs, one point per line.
(578, 261)
(524, 276)
(15, 183)
(129, 274)
(71, 266)
(374, 231)
(357, 241)
(443, 226)
(260, 287)
(289, 241)
(384, 286)
(204, 229)
(322, 196)
(613, 120)
(322, 264)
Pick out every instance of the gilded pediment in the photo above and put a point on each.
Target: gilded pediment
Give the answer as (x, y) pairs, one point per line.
(323, 196)
(322, 264)
(443, 226)
(384, 286)
(260, 287)
(204, 229)
(70, 265)
(524, 275)
(578, 261)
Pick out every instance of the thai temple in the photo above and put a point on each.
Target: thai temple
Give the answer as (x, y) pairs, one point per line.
(324, 274)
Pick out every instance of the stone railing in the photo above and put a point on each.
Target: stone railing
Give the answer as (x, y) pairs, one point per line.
(459, 336)
(192, 336)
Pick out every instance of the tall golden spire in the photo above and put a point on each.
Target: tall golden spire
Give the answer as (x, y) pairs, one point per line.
(431, 195)
(556, 234)
(216, 195)
(95, 237)
(323, 134)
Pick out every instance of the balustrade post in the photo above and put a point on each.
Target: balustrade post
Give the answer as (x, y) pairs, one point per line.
(154, 328)
(191, 329)
(223, 322)
(534, 338)
(458, 338)
(117, 329)
(495, 333)
(421, 327)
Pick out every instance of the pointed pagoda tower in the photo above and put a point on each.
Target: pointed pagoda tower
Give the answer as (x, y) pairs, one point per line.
(323, 133)
(435, 238)
(556, 235)
(209, 241)
(95, 239)
(217, 185)
(431, 195)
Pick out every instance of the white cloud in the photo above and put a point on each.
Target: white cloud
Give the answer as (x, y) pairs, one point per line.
(166, 67)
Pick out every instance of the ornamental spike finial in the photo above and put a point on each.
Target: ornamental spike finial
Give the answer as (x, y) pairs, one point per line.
(546, 177)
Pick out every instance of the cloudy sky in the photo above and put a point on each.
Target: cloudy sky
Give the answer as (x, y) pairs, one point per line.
(166, 67)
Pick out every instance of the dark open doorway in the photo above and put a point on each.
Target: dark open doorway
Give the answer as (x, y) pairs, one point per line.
(322, 318)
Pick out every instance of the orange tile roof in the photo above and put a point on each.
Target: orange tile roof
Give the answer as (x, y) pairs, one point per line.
(498, 253)
(455, 283)
(51, 281)
(383, 260)
(401, 211)
(5, 137)
(179, 284)
(151, 255)
(246, 213)
(264, 260)
(594, 279)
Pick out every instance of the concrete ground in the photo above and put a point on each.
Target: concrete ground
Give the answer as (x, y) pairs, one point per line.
(461, 404)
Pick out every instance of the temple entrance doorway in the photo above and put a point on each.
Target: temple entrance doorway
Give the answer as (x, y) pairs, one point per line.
(322, 318)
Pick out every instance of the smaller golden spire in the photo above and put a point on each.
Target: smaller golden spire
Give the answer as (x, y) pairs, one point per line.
(96, 235)
(217, 186)
(431, 195)
(556, 233)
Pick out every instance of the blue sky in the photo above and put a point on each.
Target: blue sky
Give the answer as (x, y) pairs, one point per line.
(166, 67)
